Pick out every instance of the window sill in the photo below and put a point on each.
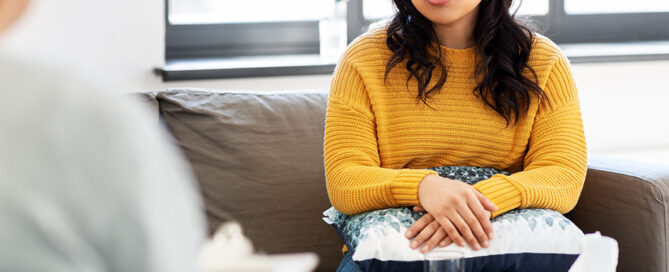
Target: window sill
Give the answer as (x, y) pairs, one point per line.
(286, 65)
(616, 52)
(236, 67)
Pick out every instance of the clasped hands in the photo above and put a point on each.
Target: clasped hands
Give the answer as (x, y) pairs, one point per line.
(456, 213)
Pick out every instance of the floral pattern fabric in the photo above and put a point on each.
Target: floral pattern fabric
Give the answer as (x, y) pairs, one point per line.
(355, 228)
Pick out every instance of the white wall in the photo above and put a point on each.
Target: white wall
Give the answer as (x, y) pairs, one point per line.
(623, 103)
(624, 108)
(121, 39)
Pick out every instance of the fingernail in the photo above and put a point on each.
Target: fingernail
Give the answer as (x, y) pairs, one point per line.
(414, 244)
(443, 244)
(425, 249)
(476, 247)
(485, 244)
(490, 235)
(408, 234)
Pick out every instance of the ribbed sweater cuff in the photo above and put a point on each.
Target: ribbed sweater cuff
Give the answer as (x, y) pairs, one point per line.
(404, 187)
(501, 192)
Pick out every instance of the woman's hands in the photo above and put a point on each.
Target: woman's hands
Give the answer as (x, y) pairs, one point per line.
(456, 213)
(429, 232)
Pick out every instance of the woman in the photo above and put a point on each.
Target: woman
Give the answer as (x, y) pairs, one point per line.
(493, 94)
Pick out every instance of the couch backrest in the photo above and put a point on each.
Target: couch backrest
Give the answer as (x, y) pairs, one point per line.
(259, 160)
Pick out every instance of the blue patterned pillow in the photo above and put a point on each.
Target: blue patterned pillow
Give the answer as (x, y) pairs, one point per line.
(525, 239)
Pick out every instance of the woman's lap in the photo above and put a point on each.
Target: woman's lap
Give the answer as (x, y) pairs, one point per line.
(347, 264)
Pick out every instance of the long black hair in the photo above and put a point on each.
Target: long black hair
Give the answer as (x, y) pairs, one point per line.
(503, 46)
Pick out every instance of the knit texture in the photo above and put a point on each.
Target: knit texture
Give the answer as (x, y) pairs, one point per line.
(379, 138)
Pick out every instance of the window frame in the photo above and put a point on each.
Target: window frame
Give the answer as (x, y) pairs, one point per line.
(193, 42)
(562, 27)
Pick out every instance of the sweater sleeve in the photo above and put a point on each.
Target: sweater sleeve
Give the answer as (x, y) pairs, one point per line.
(356, 182)
(555, 164)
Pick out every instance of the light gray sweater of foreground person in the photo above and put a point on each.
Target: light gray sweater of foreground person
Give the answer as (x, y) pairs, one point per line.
(88, 183)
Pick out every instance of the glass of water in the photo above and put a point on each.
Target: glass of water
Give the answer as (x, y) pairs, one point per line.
(444, 261)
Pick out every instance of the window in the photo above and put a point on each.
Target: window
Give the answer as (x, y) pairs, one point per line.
(234, 11)
(232, 38)
(615, 6)
(569, 21)
(573, 21)
(224, 28)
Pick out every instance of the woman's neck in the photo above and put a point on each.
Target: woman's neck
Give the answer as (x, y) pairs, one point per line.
(459, 34)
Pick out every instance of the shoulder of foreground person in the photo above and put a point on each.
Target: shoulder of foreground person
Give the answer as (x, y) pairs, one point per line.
(99, 166)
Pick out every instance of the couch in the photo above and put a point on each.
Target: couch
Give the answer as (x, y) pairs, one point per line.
(258, 157)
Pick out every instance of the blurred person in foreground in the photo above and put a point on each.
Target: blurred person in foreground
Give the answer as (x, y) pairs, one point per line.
(87, 182)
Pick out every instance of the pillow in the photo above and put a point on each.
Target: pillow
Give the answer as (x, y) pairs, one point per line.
(525, 239)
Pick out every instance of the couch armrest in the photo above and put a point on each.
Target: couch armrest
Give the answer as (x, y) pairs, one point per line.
(628, 201)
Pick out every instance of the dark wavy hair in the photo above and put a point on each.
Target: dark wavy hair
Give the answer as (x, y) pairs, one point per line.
(503, 45)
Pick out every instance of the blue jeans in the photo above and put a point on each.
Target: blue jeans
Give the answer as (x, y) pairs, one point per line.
(347, 264)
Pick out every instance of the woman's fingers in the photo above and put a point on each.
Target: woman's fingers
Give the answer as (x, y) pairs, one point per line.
(482, 216)
(487, 204)
(437, 237)
(418, 208)
(451, 230)
(447, 241)
(425, 234)
(419, 225)
(474, 215)
(465, 230)
(462, 211)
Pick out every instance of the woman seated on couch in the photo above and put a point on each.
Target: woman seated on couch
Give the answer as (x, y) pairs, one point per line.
(500, 96)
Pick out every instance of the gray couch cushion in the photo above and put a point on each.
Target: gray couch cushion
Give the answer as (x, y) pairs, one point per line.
(259, 160)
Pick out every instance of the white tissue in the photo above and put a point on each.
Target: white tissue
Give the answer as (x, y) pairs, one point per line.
(230, 250)
(600, 254)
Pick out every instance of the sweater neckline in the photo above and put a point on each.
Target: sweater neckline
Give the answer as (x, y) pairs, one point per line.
(460, 57)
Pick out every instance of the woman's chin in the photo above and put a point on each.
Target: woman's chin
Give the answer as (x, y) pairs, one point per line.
(444, 20)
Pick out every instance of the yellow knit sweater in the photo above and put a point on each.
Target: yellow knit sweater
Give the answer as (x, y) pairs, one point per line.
(379, 139)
